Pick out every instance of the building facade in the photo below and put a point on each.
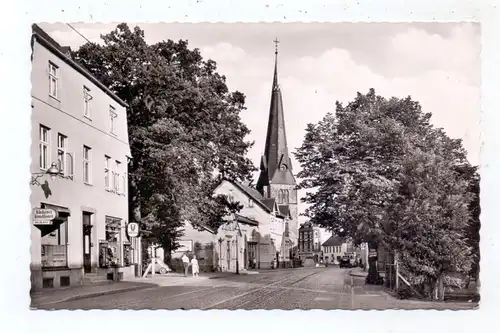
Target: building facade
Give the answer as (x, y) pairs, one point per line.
(276, 180)
(256, 237)
(334, 249)
(309, 244)
(200, 241)
(79, 127)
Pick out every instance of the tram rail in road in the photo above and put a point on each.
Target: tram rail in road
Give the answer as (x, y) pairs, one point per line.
(285, 279)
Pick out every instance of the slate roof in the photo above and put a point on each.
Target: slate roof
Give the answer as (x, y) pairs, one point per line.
(252, 193)
(334, 241)
(265, 203)
(269, 203)
(246, 220)
(284, 209)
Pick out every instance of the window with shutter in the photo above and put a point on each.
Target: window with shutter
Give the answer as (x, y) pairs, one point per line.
(70, 162)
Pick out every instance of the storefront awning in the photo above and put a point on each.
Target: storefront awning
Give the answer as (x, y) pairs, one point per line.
(62, 212)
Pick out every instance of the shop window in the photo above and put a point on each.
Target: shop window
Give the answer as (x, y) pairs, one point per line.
(54, 244)
(113, 241)
(126, 254)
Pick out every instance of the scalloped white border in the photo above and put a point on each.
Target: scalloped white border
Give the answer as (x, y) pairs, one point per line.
(16, 18)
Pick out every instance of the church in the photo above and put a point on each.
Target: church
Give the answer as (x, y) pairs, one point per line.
(276, 178)
(264, 234)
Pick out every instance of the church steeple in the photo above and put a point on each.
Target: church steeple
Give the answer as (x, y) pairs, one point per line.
(275, 166)
(275, 78)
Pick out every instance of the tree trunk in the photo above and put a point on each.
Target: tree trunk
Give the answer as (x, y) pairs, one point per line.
(373, 275)
(438, 288)
(441, 288)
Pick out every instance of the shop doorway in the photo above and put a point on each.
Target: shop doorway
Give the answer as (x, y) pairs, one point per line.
(245, 258)
(252, 255)
(87, 237)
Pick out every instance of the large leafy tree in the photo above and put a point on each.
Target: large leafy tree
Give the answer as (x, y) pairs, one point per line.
(184, 126)
(382, 174)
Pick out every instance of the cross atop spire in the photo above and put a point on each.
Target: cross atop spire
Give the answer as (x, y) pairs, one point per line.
(275, 78)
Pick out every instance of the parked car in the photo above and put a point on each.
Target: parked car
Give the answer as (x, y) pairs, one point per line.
(161, 267)
(347, 262)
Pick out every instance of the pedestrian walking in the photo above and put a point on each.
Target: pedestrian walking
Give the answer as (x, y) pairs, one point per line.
(195, 268)
(185, 263)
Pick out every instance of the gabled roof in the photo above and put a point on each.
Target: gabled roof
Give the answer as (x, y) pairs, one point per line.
(334, 241)
(285, 210)
(270, 202)
(210, 230)
(246, 220)
(252, 194)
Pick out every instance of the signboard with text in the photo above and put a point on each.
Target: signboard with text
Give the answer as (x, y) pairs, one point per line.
(43, 216)
(185, 246)
(133, 229)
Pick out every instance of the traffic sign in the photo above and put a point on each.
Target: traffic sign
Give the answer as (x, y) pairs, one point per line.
(43, 216)
(133, 229)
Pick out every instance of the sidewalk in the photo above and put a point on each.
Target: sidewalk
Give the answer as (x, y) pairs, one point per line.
(174, 279)
(451, 294)
(52, 296)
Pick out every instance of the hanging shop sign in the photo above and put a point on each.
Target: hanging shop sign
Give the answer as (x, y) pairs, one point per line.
(43, 216)
(133, 229)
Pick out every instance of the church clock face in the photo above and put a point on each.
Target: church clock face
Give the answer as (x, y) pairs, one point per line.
(283, 167)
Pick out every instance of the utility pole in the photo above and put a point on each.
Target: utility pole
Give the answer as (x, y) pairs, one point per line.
(237, 229)
(237, 253)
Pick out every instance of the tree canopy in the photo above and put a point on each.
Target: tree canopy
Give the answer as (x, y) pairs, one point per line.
(185, 129)
(381, 173)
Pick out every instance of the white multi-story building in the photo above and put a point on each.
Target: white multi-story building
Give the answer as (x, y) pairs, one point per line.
(256, 237)
(79, 130)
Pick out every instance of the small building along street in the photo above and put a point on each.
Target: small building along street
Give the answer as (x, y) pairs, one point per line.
(299, 288)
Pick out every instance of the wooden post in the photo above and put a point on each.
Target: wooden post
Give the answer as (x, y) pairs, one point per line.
(396, 262)
(153, 261)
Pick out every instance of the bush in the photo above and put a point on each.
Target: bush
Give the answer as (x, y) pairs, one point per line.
(404, 293)
(379, 281)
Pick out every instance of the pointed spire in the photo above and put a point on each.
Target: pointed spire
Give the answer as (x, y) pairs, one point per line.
(275, 163)
(275, 78)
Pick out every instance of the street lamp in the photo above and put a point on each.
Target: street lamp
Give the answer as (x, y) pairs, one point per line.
(53, 172)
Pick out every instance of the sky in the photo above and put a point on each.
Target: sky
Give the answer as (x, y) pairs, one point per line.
(438, 64)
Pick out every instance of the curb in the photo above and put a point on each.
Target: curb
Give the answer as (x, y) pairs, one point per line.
(357, 274)
(92, 295)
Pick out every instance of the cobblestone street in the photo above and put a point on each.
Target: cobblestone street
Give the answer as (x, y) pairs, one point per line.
(305, 288)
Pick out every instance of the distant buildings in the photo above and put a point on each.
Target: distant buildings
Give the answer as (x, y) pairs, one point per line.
(79, 129)
(309, 247)
(335, 248)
